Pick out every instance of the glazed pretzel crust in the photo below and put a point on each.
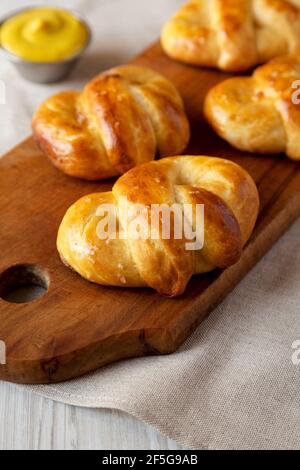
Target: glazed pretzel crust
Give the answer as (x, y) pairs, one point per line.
(123, 118)
(233, 35)
(231, 205)
(257, 114)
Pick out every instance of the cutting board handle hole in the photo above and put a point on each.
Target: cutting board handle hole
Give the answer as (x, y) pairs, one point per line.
(23, 283)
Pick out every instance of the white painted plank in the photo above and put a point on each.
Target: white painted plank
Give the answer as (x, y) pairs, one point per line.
(28, 421)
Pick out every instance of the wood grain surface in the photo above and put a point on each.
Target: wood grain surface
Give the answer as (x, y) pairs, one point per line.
(31, 422)
(76, 326)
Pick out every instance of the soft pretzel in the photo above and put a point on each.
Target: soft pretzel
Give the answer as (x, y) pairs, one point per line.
(122, 119)
(258, 114)
(233, 35)
(231, 204)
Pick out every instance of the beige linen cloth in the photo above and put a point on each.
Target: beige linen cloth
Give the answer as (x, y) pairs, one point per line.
(233, 385)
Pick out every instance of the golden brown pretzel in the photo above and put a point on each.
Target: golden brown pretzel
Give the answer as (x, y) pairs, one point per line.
(122, 119)
(261, 113)
(231, 204)
(233, 35)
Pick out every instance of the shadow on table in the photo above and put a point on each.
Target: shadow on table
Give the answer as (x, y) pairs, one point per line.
(93, 63)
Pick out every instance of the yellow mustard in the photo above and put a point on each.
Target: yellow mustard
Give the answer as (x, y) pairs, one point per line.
(44, 34)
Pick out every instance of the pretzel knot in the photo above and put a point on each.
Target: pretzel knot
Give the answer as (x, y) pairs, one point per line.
(258, 114)
(230, 201)
(233, 35)
(122, 119)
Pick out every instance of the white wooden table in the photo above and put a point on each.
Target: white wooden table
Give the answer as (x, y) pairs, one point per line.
(28, 421)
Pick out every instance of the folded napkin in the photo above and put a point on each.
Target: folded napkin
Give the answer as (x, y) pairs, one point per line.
(235, 384)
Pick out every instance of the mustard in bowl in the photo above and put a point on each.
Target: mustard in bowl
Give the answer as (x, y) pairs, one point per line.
(44, 43)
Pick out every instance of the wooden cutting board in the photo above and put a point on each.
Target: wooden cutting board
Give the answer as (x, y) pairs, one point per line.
(76, 326)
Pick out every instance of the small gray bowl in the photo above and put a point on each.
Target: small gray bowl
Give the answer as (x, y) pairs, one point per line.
(44, 72)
